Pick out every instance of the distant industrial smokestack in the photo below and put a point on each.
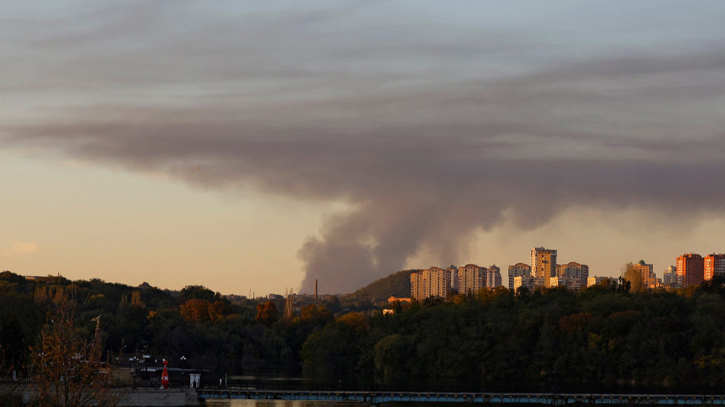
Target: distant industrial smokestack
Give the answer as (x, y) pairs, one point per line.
(315, 290)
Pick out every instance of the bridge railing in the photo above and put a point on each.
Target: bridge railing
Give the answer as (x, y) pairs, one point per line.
(484, 398)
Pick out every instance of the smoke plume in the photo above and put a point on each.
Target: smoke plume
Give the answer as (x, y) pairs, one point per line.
(426, 141)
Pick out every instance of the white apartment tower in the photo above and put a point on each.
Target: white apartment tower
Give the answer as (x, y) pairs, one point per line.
(434, 282)
(471, 278)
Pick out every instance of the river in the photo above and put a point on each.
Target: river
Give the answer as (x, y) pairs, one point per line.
(281, 403)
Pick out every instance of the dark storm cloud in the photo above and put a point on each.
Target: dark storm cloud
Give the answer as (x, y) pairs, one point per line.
(424, 151)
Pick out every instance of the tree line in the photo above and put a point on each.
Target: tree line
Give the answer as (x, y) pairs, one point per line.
(606, 335)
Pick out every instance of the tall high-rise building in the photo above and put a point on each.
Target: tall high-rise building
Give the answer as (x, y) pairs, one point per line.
(543, 264)
(669, 277)
(518, 270)
(471, 278)
(440, 282)
(690, 269)
(493, 277)
(434, 282)
(714, 264)
(417, 283)
(454, 278)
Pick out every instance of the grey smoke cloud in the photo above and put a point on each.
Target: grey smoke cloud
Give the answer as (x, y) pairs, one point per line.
(428, 130)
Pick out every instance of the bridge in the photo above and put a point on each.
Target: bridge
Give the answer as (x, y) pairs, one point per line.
(375, 398)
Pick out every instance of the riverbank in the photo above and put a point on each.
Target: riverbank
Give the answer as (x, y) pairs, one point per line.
(185, 397)
(158, 397)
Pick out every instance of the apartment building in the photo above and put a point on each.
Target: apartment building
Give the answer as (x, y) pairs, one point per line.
(493, 277)
(647, 271)
(669, 277)
(518, 270)
(574, 274)
(543, 264)
(433, 282)
(714, 264)
(471, 278)
(690, 269)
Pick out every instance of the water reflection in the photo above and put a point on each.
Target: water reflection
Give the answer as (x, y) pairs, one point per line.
(282, 403)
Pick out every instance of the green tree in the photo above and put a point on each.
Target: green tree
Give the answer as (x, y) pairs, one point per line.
(392, 353)
(13, 346)
(199, 292)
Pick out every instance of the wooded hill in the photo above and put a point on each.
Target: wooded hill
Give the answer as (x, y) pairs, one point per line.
(396, 285)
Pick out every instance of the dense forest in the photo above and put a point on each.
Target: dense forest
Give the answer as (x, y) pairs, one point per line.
(605, 335)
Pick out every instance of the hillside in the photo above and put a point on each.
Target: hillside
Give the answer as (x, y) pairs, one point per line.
(396, 284)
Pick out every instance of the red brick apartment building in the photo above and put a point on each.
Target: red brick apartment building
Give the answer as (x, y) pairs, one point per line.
(690, 269)
(714, 264)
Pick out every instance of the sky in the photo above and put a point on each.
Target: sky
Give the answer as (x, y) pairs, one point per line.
(254, 147)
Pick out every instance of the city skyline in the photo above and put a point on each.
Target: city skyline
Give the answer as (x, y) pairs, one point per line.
(471, 277)
(221, 144)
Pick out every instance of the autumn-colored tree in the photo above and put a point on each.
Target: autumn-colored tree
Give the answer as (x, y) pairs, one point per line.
(217, 309)
(267, 313)
(136, 300)
(354, 320)
(66, 368)
(633, 277)
(195, 310)
(315, 314)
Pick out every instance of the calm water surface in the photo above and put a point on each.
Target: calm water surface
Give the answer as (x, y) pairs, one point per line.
(282, 403)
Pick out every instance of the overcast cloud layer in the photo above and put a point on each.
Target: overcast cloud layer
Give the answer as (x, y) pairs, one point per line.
(430, 120)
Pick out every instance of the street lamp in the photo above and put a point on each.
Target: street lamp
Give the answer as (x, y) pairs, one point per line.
(133, 373)
(183, 373)
(144, 366)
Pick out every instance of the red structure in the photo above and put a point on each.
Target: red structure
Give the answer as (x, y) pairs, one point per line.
(690, 269)
(714, 264)
(165, 376)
